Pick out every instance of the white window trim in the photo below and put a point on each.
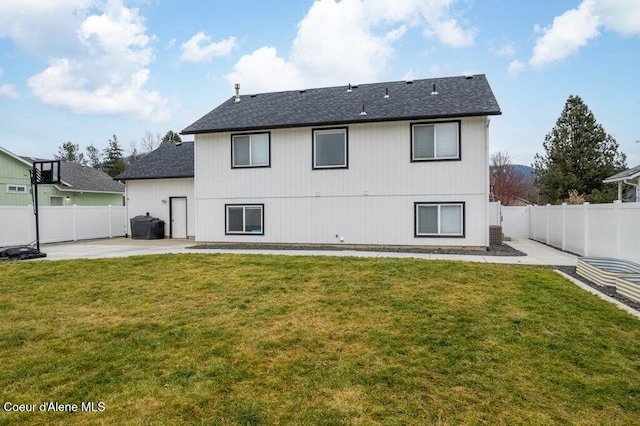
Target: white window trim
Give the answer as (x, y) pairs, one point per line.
(12, 188)
(244, 210)
(243, 166)
(439, 205)
(435, 142)
(344, 131)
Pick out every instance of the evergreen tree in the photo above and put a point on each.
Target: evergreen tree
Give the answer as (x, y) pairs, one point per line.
(579, 154)
(94, 156)
(70, 153)
(171, 136)
(113, 164)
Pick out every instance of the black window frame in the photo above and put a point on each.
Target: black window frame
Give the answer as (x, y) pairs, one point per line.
(251, 166)
(226, 219)
(438, 203)
(435, 123)
(313, 148)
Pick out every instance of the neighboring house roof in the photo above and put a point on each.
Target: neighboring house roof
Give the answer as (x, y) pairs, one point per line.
(631, 173)
(78, 178)
(407, 100)
(24, 160)
(168, 161)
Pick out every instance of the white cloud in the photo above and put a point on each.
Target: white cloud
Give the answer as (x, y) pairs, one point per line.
(449, 32)
(621, 16)
(62, 85)
(349, 41)
(43, 27)
(200, 48)
(275, 73)
(515, 67)
(568, 33)
(8, 91)
(110, 73)
(575, 28)
(506, 50)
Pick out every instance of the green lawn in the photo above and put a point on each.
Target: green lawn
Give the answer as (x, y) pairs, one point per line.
(242, 339)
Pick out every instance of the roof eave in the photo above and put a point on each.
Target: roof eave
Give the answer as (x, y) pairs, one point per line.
(154, 178)
(622, 178)
(341, 122)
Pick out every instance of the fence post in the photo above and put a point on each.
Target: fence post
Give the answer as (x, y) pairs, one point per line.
(110, 220)
(533, 213)
(546, 241)
(586, 228)
(564, 226)
(75, 222)
(616, 208)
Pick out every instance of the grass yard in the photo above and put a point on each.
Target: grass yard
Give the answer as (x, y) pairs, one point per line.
(246, 339)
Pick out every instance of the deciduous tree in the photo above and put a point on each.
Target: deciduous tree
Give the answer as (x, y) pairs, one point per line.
(508, 185)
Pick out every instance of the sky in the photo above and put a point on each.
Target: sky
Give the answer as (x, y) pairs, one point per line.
(85, 70)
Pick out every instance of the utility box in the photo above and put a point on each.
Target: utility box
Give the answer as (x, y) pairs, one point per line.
(495, 235)
(147, 228)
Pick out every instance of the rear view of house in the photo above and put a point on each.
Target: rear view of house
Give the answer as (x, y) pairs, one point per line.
(398, 163)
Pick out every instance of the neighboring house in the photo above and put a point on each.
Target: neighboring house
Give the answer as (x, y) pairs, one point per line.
(398, 163)
(630, 178)
(161, 184)
(81, 185)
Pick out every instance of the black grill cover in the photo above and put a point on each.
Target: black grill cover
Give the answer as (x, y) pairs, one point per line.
(147, 228)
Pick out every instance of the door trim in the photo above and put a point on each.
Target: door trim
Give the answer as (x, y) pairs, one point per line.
(186, 222)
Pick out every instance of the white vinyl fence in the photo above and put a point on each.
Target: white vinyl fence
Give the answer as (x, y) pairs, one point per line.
(57, 224)
(602, 230)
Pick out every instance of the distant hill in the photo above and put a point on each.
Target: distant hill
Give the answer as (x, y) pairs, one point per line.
(525, 171)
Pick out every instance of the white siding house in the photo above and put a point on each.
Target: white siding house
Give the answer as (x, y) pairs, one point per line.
(396, 176)
(162, 185)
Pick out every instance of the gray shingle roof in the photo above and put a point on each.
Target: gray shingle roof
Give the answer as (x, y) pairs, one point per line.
(76, 177)
(168, 161)
(457, 97)
(627, 174)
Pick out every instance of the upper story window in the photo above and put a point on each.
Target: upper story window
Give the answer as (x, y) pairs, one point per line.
(250, 150)
(330, 148)
(435, 141)
(16, 189)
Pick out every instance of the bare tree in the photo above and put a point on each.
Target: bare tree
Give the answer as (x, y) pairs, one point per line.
(507, 184)
(149, 141)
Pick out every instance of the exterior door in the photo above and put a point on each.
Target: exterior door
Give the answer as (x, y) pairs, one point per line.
(178, 217)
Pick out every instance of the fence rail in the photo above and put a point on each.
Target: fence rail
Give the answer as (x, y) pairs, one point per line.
(57, 224)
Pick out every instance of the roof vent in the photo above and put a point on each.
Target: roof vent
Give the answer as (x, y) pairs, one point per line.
(468, 76)
(349, 89)
(237, 93)
(409, 81)
(386, 93)
(302, 91)
(363, 113)
(434, 91)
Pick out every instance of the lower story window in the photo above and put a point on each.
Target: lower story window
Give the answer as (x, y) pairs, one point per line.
(245, 219)
(16, 189)
(439, 219)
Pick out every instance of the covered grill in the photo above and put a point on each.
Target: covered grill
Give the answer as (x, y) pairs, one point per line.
(147, 228)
